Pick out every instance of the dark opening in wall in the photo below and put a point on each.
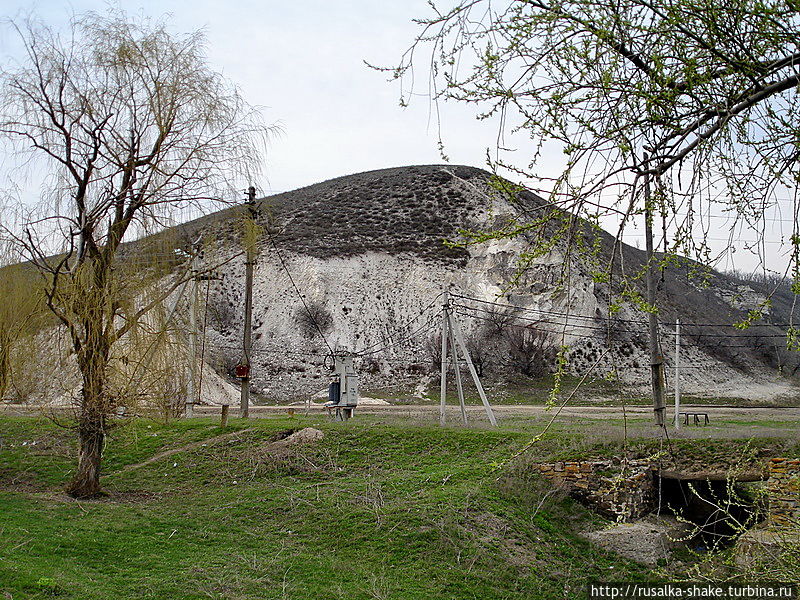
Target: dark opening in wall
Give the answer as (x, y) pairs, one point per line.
(720, 510)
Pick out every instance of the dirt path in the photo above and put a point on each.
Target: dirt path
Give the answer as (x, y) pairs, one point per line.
(522, 410)
(166, 453)
(766, 413)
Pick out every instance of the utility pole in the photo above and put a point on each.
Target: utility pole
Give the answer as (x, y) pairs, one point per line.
(244, 410)
(451, 331)
(656, 355)
(677, 372)
(191, 389)
(443, 386)
(460, 339)
(457, 369)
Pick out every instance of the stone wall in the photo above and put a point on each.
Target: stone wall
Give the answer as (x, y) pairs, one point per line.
(783, 490)
(617, 491)
(628, 491)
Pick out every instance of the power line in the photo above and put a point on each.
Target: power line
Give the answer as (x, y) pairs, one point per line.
(543, 311)
(603, 329)
(422, 312)
(610, 319)
(296, 289)
(430, 324)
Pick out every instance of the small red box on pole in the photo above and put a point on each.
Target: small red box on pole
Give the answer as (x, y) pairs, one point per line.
(242, 371)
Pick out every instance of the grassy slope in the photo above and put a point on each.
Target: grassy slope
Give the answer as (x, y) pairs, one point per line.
(378, 509)
(375, 510)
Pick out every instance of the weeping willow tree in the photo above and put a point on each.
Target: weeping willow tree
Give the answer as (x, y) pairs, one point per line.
(130, 124)
(150, 368)
(22, 314)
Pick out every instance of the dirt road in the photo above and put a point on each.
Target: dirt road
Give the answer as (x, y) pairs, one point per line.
(715, 413)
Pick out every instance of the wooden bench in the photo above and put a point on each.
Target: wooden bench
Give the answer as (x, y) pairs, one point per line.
(696, 416)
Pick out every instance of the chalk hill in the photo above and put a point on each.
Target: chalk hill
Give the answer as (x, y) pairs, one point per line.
(367, 253)
(359, 263)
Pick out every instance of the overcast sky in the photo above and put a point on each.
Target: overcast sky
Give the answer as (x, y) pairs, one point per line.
(303, 63)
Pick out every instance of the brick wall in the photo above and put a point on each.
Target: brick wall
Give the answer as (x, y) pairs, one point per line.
(783, 489)
(629, 492)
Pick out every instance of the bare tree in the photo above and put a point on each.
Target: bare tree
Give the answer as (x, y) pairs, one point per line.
(432, 351)
(314, 319)
(130, 123)
(497, 321)
(478, 350)
(529, 350)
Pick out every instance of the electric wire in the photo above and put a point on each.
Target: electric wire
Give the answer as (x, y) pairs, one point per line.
(299, 294)
(720, 346)
(427, 326)
(628, 330)
(422, 312)
(614, 320)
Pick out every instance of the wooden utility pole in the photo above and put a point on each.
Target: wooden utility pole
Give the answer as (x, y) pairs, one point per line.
(191, 387)
(677, 374)
(656, 355)
(244, 410)
(443, 386)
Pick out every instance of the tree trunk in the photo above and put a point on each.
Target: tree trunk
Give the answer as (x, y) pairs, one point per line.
(86, 482)
(94, 409)
(5, 363)
(657, 379)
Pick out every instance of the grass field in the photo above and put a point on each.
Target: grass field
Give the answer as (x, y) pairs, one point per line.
(377, 509)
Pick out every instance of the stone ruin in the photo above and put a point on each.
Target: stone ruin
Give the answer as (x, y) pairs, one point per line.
(619, 490)
(627, 490)
(783, 490)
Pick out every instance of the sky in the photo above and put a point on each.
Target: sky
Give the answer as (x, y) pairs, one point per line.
(303, 64)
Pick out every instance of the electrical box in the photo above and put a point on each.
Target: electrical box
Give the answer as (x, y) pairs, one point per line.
(343, 366)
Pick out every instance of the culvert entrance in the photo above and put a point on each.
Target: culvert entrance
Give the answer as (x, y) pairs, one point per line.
(716, 506)
(716, 509)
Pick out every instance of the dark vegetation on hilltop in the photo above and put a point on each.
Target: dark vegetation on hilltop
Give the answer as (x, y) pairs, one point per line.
(404, 209)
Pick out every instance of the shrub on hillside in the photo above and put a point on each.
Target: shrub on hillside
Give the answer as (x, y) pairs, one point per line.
(314, 319)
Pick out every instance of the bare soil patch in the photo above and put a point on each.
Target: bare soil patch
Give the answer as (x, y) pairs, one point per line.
(187, 447)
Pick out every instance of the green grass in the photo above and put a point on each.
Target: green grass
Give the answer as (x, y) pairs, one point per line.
(380, 508)
(375, 510)
(518, 390)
